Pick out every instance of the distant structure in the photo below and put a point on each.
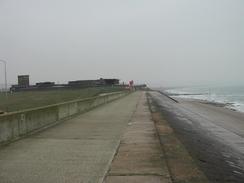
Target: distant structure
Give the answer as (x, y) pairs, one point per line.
(111, 81)
(90, 83)
(24, 81)
(24, 84)
(45, 84)
(141, 87)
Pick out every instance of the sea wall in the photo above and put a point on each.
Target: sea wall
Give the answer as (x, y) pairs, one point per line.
(15, 125)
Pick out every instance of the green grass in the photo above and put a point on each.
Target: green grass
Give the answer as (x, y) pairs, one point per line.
(29, 99)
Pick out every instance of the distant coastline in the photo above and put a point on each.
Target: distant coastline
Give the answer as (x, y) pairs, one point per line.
(228, 97)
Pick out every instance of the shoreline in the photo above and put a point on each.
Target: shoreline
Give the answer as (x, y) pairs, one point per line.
(226, 105)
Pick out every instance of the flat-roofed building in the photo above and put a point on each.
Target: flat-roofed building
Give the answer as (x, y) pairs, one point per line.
(98, 82)
(24, 81)
(111, 81)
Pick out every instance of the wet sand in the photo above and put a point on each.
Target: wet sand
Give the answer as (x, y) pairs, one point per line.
(212, 134)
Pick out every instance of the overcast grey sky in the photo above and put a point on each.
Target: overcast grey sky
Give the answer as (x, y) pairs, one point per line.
(159, 42)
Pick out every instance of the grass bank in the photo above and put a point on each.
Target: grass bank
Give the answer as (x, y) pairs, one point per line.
(29, 99)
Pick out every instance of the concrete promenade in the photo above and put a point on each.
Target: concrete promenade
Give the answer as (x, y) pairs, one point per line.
(140, 158)
(77, 150)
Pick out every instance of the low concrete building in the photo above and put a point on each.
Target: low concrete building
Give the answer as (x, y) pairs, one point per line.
(90, 83)
(24, 81)
(45, 84)
(111, 81)
(23, 84)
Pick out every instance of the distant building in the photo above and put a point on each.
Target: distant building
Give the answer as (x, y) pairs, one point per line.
(45, 84)
(24, 81)
(83, 83)
(141, 87)
(23, 84)
(111, 81)
(90, 83)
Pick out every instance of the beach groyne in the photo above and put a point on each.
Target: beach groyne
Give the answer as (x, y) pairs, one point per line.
(16, 125)
(163, 93)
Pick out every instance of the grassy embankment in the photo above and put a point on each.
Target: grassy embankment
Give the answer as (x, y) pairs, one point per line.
(29, 99)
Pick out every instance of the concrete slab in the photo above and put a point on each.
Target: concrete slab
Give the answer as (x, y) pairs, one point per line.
(137, 179)
(77, 150)
(140, 157)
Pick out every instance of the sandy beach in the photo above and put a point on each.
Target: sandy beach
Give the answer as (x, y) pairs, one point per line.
(212, 134)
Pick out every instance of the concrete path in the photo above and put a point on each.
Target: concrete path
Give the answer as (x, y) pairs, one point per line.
(140, 158)
(81, 149)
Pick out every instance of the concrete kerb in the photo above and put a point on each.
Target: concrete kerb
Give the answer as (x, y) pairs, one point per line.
(16, 125)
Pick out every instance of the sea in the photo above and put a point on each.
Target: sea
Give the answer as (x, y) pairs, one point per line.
(232, 96)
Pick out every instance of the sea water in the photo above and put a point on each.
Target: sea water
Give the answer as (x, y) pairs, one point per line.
(233, 96)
